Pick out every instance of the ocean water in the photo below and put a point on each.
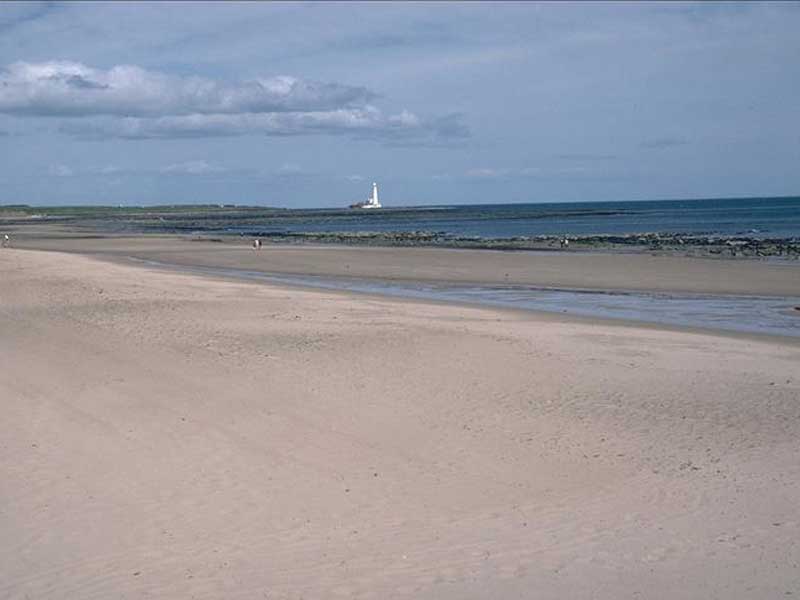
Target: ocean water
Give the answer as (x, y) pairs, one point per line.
(751, 217)
(750, 314)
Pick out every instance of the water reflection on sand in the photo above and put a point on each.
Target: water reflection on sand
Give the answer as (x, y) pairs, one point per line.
(751, 314)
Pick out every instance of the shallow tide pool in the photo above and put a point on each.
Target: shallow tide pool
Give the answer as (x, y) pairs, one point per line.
(752, 314)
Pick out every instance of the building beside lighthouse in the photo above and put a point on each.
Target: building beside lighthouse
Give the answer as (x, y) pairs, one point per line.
(371, 202)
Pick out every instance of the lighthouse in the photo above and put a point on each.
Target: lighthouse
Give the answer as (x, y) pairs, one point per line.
(371, 202)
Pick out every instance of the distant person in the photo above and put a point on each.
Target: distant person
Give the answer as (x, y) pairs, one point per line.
(257, 244)
(6, 241)
(565, 242)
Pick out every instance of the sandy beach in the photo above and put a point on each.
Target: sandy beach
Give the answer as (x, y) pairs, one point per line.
(173, 436)
(399, 300)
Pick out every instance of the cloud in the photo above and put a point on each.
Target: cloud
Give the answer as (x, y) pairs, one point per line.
(363, 123)
(106, 170)
(60, 171)
(129, 102)
(535, 172)
(485, 173)
(662, 143)
(192, 167)
(189, 167)
(587, 156)
(354, 178)
(61, 88)
(289, 170)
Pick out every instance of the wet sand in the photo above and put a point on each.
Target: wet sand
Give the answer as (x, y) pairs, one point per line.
(578, 270)
(176, 436)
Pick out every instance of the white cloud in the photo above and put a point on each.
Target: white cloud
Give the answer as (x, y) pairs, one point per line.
(60, 171)
(354, 177)
(485, 173)
(192, 167)
(289, 169)
(60, 88)
(367, 122)
(107, 170)
(189, 167)
(405, 119)
(130, 102)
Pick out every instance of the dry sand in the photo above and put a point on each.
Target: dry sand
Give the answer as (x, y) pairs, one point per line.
(166, 435)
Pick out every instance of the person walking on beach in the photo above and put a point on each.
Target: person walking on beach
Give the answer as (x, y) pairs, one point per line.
(257, 244)
(6, 241)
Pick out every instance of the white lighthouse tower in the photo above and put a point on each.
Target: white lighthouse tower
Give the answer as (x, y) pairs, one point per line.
(371, 202)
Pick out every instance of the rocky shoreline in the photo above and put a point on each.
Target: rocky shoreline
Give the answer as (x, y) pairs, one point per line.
(231, 223)
(684, 244)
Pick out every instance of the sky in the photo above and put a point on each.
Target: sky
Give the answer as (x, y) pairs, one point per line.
(305, 104)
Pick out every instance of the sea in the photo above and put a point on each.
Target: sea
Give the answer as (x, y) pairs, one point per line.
(763, 218)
